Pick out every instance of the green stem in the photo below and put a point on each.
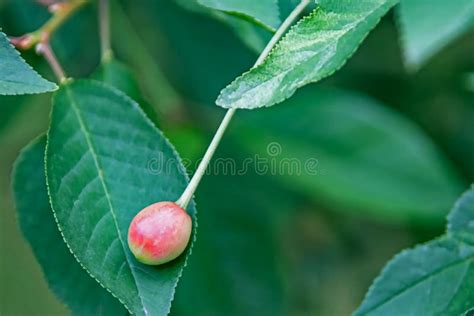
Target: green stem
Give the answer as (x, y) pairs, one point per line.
(104, 26)
(188, 193)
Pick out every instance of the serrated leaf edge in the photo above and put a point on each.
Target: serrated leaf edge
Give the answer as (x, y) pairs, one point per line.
(404, 253)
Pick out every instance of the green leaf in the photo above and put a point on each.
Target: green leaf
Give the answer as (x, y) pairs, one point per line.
(105, 162)
(352, 152)
(118, 75)
(315, 48)
(428, 26)
(264, 12)
(16, 76)
(71, 283)
(432, 279)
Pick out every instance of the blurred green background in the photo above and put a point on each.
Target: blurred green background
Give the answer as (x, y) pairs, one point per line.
(267, 245)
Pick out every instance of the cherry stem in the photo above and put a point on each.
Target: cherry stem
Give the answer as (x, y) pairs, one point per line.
(188, 193)
(44, 48)
(104, 26)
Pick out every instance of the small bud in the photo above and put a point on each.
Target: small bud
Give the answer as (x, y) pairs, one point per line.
(159, 233)
(39, 49)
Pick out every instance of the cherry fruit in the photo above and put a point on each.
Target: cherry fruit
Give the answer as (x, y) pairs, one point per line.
(159, 233)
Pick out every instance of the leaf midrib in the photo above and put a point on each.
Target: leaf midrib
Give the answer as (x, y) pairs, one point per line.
(104, 185)
(419, 281)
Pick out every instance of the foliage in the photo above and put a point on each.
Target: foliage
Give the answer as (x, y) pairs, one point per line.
(67, 279)
(386, 161)
(417, 185)
(435, 278)
(99, 160)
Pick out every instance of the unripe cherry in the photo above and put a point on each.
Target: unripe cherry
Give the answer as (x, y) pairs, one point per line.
(159, 233)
